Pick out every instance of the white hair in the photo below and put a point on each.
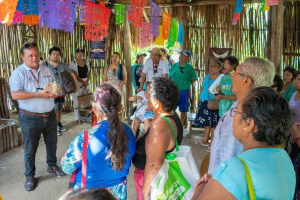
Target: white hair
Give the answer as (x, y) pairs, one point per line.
(262, 71)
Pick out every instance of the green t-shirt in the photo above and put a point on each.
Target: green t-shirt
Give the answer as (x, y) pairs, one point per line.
(183, 80)
(226, 89)
(287, 94)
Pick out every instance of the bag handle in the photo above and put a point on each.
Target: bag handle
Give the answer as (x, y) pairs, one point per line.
(176, 143)
(249, 180)
(84, 158)
(86, 90)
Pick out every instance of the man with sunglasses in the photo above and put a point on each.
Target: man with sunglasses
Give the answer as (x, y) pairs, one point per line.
(57, 67)
(154, 66)
(184, 75)
(36, 113)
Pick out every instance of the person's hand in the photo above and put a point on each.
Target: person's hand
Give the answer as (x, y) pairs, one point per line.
(204, 179)
(218, 89)
(76, 89)
(295, 130)
(139, 89)
(218, 97)
(85, 84)
(47, 95)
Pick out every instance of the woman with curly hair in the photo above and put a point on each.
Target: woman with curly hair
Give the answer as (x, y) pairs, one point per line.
(111, 145)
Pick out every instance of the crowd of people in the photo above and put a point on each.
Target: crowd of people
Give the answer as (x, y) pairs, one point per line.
(250, 116)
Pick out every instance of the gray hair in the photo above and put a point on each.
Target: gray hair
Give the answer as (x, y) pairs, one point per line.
(262, 71)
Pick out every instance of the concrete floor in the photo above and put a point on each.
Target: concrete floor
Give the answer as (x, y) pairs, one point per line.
(50, 187)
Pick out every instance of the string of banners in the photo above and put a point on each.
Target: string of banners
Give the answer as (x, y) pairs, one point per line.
(62, 14)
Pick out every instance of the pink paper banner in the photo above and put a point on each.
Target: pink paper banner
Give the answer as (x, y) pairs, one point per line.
(145, 38)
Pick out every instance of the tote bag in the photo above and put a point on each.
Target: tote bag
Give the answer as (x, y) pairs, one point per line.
(176, 178)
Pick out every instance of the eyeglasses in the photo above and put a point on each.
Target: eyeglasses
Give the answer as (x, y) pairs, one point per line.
(56, 73)
(155, 69)
(233, 74)
(181, 70)
(114, 72)
(29, 45)
(233, 112)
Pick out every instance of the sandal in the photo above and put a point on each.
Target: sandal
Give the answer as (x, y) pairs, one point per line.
(198, 142)
(205, 144)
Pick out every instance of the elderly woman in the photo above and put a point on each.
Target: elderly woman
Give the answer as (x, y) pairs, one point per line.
(288, 88)
(159, 139)
(254, 72)
(206, 118)
(259, 123)
(82, 71)
(111, 146)
(293, 145)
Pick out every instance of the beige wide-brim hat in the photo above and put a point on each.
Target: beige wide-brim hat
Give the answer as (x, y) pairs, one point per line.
(156, 51)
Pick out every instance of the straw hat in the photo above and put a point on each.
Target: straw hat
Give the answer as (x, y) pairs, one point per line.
(156, 51)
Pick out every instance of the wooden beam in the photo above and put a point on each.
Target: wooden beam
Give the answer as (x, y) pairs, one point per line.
(279, 35)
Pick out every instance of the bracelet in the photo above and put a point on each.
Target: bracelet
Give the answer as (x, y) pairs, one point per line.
(296, 139)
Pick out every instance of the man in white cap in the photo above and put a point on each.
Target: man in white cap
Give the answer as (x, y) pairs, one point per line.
(155, 66)
(184, 75)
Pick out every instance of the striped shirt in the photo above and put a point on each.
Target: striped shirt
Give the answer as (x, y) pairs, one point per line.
(224, 145)
(23, 80)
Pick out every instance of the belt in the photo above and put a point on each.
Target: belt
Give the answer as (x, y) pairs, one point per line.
(45, 115)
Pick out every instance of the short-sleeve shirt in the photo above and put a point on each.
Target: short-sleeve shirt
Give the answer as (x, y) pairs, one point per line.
(57, 70)
(161, 69)
(287, 94)
(271, 171)
(183, 80)
(205, 94)
(22, 80)
(226, 89)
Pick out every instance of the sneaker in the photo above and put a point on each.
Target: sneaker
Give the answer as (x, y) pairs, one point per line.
(60, 127)
(56, 170)
(30, 183)
(58, 133)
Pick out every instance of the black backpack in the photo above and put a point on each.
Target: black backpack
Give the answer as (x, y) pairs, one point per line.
(68, 84)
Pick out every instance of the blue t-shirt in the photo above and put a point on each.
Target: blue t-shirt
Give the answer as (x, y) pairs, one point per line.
(271, 171)
(99, 166)
(205, 94)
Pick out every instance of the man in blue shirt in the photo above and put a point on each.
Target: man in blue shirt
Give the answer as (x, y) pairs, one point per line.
(184, 75)
(56, 68)
(36, 113)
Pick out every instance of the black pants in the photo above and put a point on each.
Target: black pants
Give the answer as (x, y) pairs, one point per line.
(32, 127)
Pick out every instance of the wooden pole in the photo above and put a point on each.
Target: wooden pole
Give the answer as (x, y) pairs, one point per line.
(127, 56)
(279, 35)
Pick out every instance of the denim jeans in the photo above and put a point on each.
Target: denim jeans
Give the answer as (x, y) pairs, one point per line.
(32, 127)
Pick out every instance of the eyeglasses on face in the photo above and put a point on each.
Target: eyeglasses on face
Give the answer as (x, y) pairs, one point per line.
(181, 70)
(243, 75)
(233, 112)
(29, 45)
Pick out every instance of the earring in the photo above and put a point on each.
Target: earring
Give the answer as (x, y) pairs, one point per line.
(244, 128)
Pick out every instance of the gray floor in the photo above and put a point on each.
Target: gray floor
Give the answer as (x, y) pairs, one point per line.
(49, 186)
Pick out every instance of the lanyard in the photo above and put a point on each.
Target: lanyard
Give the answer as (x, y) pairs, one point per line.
(36, 79)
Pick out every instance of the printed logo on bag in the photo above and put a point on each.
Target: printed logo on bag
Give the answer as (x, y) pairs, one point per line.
(176, 185)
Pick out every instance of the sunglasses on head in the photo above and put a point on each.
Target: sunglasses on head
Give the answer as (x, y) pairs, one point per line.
(181, 70)
(29, 45)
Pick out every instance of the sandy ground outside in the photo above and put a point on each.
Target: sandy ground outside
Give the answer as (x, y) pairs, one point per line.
(50, 187)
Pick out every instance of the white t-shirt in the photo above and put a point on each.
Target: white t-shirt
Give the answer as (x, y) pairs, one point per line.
(161, 69)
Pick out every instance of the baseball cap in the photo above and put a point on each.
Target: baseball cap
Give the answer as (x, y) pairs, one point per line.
(141, 54)
(186, 52)
(175, 50)
(78, 50)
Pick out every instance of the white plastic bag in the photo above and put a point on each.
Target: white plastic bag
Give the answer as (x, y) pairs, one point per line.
(176, 178)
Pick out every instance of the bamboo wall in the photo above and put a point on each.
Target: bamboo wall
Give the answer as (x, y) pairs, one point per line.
(205, 26)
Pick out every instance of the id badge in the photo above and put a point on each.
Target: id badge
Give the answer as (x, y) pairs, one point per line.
(39, 89)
